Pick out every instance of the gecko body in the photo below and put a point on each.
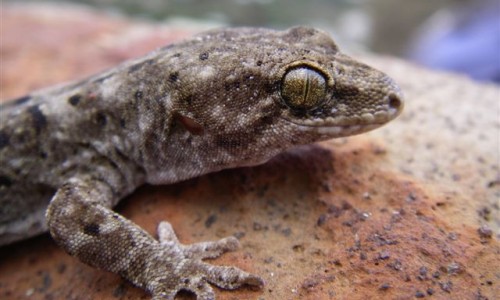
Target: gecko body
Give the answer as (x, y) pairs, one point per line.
(225, 98)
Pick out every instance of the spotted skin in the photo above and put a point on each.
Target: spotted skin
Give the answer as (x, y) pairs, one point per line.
(223, 99)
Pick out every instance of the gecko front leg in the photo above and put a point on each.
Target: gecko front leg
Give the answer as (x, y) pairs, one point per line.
(81, 221)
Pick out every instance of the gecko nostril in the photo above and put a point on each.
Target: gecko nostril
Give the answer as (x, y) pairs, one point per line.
(394, 101)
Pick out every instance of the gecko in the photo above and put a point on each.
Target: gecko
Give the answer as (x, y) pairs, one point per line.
(225, 98)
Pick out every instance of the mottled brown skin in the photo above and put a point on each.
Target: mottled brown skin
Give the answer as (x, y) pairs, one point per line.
(225, 98)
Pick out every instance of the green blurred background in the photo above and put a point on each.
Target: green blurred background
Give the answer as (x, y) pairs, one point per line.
(421, 30)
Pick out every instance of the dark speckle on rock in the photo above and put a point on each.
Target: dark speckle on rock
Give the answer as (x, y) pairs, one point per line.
(210, 220)
(298, 248)
(411, 197)
(422, 273)
(286, 232)
(419, 294)
(446, 286)
(239, 234)
(485, 232)
(46, 282)
(384, 255)
(257, 226)
(455, 268)
(396, 265)
(321, 220)
(120, 291)
(61, 268)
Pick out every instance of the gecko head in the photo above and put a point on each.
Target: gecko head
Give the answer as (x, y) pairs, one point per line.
(327, 92)
(341, 98)
(249, 93)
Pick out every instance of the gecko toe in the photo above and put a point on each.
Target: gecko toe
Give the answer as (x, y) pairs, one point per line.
(232, 278)
(205, 250)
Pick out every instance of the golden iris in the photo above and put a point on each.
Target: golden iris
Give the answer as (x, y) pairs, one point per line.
(303, 88)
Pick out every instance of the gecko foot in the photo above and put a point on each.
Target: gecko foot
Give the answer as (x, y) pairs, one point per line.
(191, 274)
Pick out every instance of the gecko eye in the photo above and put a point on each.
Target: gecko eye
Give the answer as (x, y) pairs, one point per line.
(303, 88)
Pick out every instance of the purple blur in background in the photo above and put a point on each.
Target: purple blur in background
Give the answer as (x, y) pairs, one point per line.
(467, 42)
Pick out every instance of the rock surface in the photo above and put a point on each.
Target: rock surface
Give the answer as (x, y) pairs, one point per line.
(410, 210)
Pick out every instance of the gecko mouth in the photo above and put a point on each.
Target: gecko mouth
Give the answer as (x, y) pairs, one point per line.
(384, 113)
(339, 130)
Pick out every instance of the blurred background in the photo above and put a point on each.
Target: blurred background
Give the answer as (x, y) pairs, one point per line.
(456, 35)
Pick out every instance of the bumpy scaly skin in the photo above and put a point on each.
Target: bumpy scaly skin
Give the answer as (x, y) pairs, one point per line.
(219, 100)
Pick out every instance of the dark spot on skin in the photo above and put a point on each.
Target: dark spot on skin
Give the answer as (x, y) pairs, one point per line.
(232, 85)
(204, 56)
(138, 95)
(177, 55)
(21, 100)
(91, 229)
(75, 99)
(140, 65)
(272, 87)
(101, 119)
(266, 121)
(227, 143)
(173, 77)
(39, 119)
(119, 153)
(259, 63)
(4, 139)
(5, 181)
(189, 99)
(114, 165)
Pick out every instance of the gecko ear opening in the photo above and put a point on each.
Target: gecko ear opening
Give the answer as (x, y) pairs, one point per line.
(189, 124)
(303, 88)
